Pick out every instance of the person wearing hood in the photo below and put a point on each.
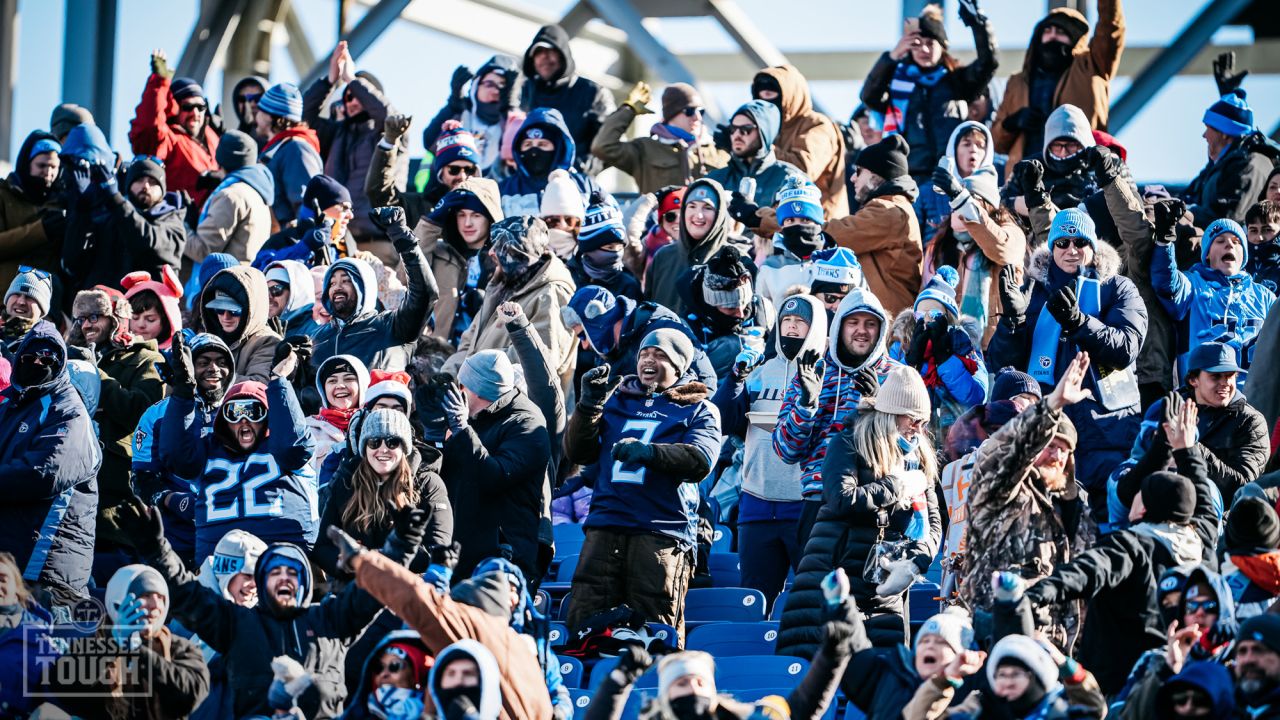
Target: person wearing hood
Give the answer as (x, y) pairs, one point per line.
(452, 235)
(28, 300)
(704, 230)
(1061, 67)
(678, 149)
(381, 340)
(879, 518)
(246, 94)
(1215, 299)
(1262, 222)
(1022, 510)
(172, 124)
(806, 139)
(827, 388)
(541, 145)
(751, 133)
(641, 531)
(598, 258)
(1240, 162)
(485, 108)
(749, 401)
(49, 455)
(799, 237)
(968, 151)
(154, 477)
(1026, 679)
(290, 296)
(1077, 302)
(341, 382)
(237, 217)
(1064, 174)
(254, 469)
(32, 222)
(350, 142)
(463, 683)
(1176, 687)
(529, 274)
(394, 680)
(112, 233)
(726, 315)
(552, 82)
(292, 149)
(1174, 524)
(563, 209)
(155, 305)
(233, 306)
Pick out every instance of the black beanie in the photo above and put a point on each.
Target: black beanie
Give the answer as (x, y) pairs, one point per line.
(325, 192)
(183, 88)
(1264, 628)
(1168, 497)
(887, 158)
(236, 150)
(932, 25)
(144, 167)
(1252, 527)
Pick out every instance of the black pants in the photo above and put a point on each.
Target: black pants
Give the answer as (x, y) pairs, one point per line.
(768, 549)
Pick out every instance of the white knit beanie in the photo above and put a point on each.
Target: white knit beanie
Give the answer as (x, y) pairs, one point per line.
(690, 662)
(562, 196)
(903, 393)
(1027, 652)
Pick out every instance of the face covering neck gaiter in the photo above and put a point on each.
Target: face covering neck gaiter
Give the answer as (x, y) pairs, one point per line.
(536, 161)
(691, 707)
(802, 240)
(1053, 56)
(602, 264)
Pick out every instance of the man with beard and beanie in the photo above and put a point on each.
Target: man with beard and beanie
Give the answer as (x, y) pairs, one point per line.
(128, 368)
(292, 150)
(749, 401)
(27, 301)
(598, 259)
(486, 110)
(749, 139)
(154, 477)
(1063, 175)
(154, 673)
(704, 230)
(452, 236)
(1240, 162)
(528, 274)
(552, 82)
(31, 219)
(234, 307)
(172, 123)
(49, 459)
(1060, 67)
(245, 95)
(237, 217)
(806, 138)
(1012, 391)
(678, 149)
(254, 468)
(922, 91)
(799, 216)
(1257, 667)
(381, 340)
(726, 315)
(641, 531)
(114, 230)
(826, 390)
(285, 620)
(542, 144)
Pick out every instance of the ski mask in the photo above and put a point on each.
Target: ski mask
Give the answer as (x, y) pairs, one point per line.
(691, 707)
(1053, 56)
(537, 162)
(34, 371)
(602, 264)
(802, 240)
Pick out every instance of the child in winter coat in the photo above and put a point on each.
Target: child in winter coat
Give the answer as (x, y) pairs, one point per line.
(1262, 223)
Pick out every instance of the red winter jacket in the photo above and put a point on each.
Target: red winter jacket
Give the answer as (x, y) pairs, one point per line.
(155, 131)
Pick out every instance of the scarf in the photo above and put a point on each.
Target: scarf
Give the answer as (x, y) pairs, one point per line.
(1181, 541)
(304, 134)
(905, 78)
(974, 292)
(340, 419)
(1262, 570)
(1048, 333)
(672, 134)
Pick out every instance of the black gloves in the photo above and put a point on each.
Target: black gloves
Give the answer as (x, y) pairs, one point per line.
(390, 220)
(1167, 212)
(1106, 165)
(1029, 174)
(1012, 300)
(743, 210)
(940, 337)
(1025, 119)
(720, 137)
(809, 378)
(866, 383)
(946, 182)
(210, 180)
(54, 222)
(919, 341)
(971, 15)
(596, 388)
(182, 372)
(1065, 308)
(283, 350)
(1225, 75)
(633, 661)
(429, 402)
(631, 450)
(457, 87)
(347, 546)
(141, 526)
(445, 555)
(408, 534)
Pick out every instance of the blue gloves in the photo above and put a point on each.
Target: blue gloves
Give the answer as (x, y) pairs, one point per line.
(80, 177)
(455, 408)
(131, 621)
(105, 178)
(835, 587)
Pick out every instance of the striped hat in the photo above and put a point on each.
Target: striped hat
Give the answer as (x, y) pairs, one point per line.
(800, 199)
(1231, 114)
(602, 225)
(283, 100)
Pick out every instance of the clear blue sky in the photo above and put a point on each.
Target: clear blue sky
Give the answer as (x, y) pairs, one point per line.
(414, 64)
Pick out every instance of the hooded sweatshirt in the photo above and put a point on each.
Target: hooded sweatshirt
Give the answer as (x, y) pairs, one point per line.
(800, 437)
(810, 140)
(769, 172)
(522, 190)
(296, 316)
(485, 122)
(252, 343)
(22, 237)
(672, 262)
(581, 102)
(490, 704)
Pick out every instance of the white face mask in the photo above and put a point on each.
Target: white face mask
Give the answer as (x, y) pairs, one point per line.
(563, 243)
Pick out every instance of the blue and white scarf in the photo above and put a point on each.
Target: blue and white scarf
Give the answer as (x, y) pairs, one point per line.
(1044, 340)
(905, 78)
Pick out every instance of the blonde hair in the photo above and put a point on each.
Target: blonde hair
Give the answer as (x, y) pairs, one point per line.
(371, 497)
(7, 562)
(875, 440)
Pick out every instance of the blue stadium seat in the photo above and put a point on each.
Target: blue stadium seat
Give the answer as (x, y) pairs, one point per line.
(733, 638)
(542, 601)
(921, 600)
(725, 569)
(665, 633)
(581, 700)
(723, 605)
(721, 540)
(779, 606)
(569, 539)
(757, 671)
(557, 633)
(562, 613)
(568, 564)
(604, 666)
(571, 671)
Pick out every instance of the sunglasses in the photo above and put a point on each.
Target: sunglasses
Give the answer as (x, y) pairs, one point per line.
(491, 85)
(43, 356)
(393, 667)
(90, 318)
(1063, 243)
(249, 98)
(232, 313)
(1187, 697)
(742, 129)
(276, 289)
(348, 98)
(193, 107)
(1208, 606)
(455, 170)
(244, 410)
(155, 159)
(42, 274)
(671, 216)
(694, 112)
(390, 443)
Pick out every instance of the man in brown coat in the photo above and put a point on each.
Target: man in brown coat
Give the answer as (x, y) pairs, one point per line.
(1060, 68)
(807, 139)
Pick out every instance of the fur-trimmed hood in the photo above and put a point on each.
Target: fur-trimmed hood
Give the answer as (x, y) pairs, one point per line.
(685, 392)
(1106, 263)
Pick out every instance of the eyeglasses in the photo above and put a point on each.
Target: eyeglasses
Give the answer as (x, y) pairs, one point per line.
(43, 356)
(276, 289)
(391, 443)
(671, 216)
(392, 667)
(232, 313)
(348, 98)
(455, 170)
(742, 129)
(193, 107)
(1209, 606)
(246, 409)
(694, 112)
(1063, 243)
(42, 274)
(90, 318)
(249, 98)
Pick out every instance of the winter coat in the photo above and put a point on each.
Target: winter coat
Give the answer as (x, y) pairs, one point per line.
(643, 319)
(1112, 340)
(380, 187)
(489, 136)
(451, 262)
(672, 262)
(350, 144)
(293, 157)
(357, 706)
(1152, 698)
(957, 383)
(494, 470)
(154, 130)
(809, 140)
(723, 336)
(620, 282)
(1068, 701)
(253, 344)
(49, 458)
(522, 191)
(382, 340)
(22, 237)
(885, 236)
(1263, 382)
(1229, 186)
(541, 296)
(130, 384)
(433, 498)
(1086, 83)
(269, 491)
(766, 167)
(24, 648)
(171, 673)
(658, 160)
(317, 635)
(107, 238)
(236, 220)
(442, 621)
(801, 435)
(583, 103)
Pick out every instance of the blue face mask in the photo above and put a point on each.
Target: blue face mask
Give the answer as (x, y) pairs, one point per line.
(908, 446)
(392, 703)
(963, 237)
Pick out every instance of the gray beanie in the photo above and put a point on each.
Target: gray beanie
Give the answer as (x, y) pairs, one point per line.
(236, 150)
(674, 344)
(35, 284)
(386, 423)
(67, 116)
(488, 374)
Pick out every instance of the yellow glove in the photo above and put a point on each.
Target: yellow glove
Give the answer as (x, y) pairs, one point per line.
(639, 97)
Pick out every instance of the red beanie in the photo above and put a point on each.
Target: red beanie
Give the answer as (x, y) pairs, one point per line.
(415, 655)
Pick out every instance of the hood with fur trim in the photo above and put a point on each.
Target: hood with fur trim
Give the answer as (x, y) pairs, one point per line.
(107, 302)
(1106, 263)
(249, 288)
(168, 289)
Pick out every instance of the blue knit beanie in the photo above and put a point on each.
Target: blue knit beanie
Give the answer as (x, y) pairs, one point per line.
(282, 100)
(800, 199)
(1073, 222)
(1231, 114)
(942, 289)
(1222, 227)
